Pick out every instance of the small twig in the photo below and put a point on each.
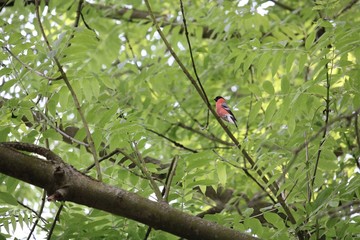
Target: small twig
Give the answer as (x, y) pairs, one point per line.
(137, 65)
(57, 218)
(73, 94)
(132, 52)
(336, 211)
(30, 68)
(282, 5)
(307, 164)
(169, 177)
(43, 199)
(177, 59)
(33, 211)
(187, 112)
(246, 171)
(193, 62)
(116, 151)
(78, 14)
(64, 134)
(327, 113)
(141, 165)
(166, 190)
(357, 133)
(88, 27)
(211, 137)
(251, 102)
(346, 8)
(172, 141)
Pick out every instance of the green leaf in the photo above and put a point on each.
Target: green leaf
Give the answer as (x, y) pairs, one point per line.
(52, 134)
(291, 124)
(263, 63)
(290, 61)
(285, 85)
(5, 71)
(247, 212)
(322, 198)
(328, 160)
(196, 160)
(221, 173)
(254, 224)
(8, 198)
(310, 40)
(275, 220)
(249, 60)
(270, 111)
(254, 88)
(302, 61)
(268, 87)
(276, 62)
(255, 111)
(356, 101)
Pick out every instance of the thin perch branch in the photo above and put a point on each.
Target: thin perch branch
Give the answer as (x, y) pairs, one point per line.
(193, 62)
(273, 186)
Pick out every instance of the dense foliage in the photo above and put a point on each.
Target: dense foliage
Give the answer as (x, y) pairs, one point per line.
(290, 71)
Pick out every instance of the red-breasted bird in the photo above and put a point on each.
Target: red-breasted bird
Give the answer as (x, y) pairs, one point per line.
(223, 110)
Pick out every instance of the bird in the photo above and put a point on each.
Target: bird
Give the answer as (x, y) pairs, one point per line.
(223, 110)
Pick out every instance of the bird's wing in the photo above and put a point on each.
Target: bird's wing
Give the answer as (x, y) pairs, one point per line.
(226, 107)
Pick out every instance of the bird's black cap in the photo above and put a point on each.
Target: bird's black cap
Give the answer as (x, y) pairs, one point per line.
(217, 98)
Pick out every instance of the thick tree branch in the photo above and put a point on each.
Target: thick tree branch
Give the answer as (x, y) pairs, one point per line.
(86, 191)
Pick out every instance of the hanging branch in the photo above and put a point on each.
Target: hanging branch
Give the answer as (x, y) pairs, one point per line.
(38, 215)
(357, 133)
(193, 62)
(327, 112)
(73, 94)
(251, 103)
(57, 218)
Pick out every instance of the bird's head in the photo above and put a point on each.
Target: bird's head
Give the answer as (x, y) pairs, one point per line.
(217, 98)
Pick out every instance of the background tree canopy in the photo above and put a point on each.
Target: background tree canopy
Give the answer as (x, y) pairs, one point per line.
(97, 84)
